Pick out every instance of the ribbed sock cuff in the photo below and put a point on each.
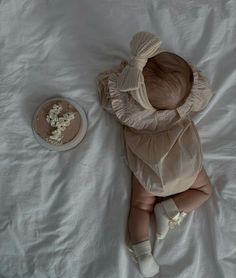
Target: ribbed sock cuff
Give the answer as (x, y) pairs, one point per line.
(142, 248)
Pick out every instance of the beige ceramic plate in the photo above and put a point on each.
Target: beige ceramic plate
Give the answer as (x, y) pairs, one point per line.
(74, 142)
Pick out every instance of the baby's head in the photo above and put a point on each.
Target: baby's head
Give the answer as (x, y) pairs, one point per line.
(168, 80)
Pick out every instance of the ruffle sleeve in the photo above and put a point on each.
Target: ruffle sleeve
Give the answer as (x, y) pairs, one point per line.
(199, 96)
(103, 91)
(132, 114)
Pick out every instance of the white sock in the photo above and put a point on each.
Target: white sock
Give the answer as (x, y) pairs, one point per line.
(162, 221)
(147, 265)
(170, 208)
(173, 213)
(164, 213)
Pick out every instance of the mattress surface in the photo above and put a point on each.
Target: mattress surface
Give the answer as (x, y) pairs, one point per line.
(64, 214)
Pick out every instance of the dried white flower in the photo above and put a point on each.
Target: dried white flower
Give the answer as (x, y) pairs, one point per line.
(177, 220)
(61, 123)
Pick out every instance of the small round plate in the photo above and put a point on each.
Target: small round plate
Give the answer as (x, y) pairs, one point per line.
(79, 137)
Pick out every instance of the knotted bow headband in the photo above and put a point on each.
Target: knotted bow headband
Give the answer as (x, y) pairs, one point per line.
(143, 46)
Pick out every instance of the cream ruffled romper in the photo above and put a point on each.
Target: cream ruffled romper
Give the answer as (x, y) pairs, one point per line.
(162, 146)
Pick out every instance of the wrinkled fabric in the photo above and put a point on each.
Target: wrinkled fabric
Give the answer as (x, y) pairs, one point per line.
(64, 215)
(143, 46)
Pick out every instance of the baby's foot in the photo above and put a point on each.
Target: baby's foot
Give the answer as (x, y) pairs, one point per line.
(147, 264)
(167, 216)
(162, 221)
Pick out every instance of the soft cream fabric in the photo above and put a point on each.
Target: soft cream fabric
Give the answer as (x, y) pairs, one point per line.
(162, 146)
(143, 46)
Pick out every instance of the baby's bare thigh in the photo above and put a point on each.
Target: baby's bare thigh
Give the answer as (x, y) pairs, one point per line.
(140, 197)
(202, 182)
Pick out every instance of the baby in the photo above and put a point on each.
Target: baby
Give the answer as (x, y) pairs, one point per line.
(152, 96)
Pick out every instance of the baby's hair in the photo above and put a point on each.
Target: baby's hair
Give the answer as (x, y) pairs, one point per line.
(168, 79)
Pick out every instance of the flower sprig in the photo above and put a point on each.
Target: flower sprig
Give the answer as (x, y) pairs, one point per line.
(60, 123)
(177, 219)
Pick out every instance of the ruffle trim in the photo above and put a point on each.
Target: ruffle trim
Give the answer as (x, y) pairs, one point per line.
(199, 96)
(130, 113)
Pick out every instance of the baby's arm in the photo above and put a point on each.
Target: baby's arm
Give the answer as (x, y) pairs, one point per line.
(103, 86)
(203, 92)
(103, 91)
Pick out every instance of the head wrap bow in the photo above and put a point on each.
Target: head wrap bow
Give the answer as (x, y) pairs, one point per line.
(143, 46)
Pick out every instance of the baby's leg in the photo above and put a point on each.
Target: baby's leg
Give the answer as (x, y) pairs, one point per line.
(176, 207)
(194, 197)
(141, 207)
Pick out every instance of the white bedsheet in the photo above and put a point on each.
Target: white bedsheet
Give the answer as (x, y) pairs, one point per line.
(65, 214)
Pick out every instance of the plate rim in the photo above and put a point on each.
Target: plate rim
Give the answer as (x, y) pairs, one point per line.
(75, 141)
